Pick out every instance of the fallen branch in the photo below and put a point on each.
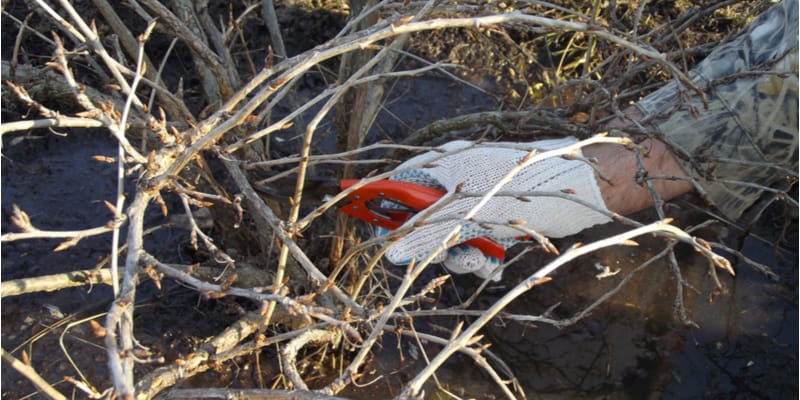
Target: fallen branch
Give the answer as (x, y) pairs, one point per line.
(50, 283)
(290, 350)
(165, 377)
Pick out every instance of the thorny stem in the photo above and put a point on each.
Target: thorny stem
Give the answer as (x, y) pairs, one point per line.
(120, 202)
(119, 321)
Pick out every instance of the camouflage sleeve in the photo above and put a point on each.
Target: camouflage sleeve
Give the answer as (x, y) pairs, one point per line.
(751, 120)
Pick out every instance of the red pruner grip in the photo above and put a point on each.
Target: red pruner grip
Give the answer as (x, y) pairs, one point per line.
(389, 204)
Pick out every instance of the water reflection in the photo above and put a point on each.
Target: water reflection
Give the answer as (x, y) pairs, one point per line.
(634, 346)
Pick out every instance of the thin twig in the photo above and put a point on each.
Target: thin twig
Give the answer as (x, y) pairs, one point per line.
(43, 234)
(30, 373)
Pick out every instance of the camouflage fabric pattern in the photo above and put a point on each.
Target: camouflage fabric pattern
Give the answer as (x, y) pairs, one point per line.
(751, 119)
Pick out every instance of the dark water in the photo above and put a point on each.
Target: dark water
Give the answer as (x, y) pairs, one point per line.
(633, 346)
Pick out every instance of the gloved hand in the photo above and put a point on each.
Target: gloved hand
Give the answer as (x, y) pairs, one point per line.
(477, 170)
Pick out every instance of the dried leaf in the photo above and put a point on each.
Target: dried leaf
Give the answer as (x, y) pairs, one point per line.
(528, 156)
(105, 159)
(214, 295)
(112, 208)
(270, 58)
(402, 21)
(151, 271)
(543, 280)
(200, 204)
(277, 83)
(163, 205)
(176, 134)
(152, 167)
(21, 220)
(228, 282)
(457, 330)
(580, 117)
(723, 263)
(97, 329)
(703, 243)
(193, 239)
(56, 66)
(549, 247)
(67, 244)
(474, 339)
(147, 32)
(193, 268)
(141, 353)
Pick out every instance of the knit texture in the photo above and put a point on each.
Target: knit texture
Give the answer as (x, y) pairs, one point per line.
(478, 168)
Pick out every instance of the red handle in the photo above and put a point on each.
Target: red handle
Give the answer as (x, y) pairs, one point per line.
(488, 247)
(415, 197)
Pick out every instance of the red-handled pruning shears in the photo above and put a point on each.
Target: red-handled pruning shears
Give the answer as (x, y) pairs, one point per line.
(368, 203)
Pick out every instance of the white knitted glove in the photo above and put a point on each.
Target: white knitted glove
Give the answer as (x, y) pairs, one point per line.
(477, 170)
